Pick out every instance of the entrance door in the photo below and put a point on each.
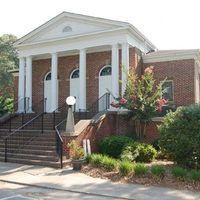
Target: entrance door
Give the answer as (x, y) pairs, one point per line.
(74, 87)
(47, 91)
(105, 82)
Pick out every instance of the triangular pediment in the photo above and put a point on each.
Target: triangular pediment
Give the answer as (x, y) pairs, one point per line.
(68, 25)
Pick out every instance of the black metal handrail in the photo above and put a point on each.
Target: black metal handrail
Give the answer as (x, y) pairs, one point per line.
(59, 144)
(19, 133)
(103, 101)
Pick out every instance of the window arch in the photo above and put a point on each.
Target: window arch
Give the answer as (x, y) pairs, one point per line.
(106, 71)
(67, 29)
(48, 76)
(75, 74)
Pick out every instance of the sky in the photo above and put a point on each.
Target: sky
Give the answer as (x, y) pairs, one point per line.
(168, 24)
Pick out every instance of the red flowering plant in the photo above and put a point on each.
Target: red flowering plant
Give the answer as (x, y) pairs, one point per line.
(143, 97)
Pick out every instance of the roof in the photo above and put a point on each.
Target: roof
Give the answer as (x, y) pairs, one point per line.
(169, 55)
(116, 23)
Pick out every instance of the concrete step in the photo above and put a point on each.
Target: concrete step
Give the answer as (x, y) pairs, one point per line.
(31, 156)
(31, 151)
(30, 146)
(33, 162)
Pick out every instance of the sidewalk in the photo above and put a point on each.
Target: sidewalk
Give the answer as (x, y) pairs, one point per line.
(68, 180)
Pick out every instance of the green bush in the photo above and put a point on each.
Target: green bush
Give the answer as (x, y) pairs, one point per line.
(99, 160)
(125, 167)
(96, 159)
(180, 136)
(195, 175)
(6, 105)
(179, 172)
(140, 169)
(139, 152)
(158, 170)
(113, 145)
(109, 164)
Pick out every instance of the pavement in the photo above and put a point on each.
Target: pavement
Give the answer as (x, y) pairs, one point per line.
(23, 182)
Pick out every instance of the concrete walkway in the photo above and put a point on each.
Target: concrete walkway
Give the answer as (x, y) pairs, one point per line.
(69, 181)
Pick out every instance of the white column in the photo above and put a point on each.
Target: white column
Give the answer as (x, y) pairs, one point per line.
(54, 81)
(29, 83)
(115, 70)
(82, 79)
(21, 85)
(125, 65)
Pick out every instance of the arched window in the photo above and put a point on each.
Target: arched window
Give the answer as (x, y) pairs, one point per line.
(106, 71)
(48, 76)
(75, 74)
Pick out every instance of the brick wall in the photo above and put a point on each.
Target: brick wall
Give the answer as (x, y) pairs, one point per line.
(112, 124)
(182, 74)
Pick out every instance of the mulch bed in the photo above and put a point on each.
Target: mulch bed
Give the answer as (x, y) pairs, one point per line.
(148, 180)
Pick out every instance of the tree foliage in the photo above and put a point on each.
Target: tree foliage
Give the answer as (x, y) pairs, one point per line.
(143, 97)
(8, 60)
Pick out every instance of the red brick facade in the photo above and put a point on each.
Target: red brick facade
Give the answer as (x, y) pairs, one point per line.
(182, 73)
(112, 124)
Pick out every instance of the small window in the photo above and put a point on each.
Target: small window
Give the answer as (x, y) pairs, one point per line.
(48, 77)
(106, 71)
(67, 29)
(75, 74)
(168, 92)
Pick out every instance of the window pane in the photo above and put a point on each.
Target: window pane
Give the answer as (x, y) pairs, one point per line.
(168, 90)
(75, 74)
(106, 71)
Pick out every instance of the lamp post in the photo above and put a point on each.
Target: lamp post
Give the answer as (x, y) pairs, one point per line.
(70, 116)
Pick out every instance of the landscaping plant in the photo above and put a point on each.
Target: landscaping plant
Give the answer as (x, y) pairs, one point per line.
(180, 136)
(113, 145)
(139, 152)
(76, 151)
(126, 167)
(179, 172)
(109, 164)
(195, 175)
(143, 97)
(158, 170)
(140, 169)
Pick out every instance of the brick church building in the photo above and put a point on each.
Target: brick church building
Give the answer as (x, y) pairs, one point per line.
(84, 56)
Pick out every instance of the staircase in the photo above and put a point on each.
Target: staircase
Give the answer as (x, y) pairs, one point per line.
(39, 149)
(31, 146)
(31, 138)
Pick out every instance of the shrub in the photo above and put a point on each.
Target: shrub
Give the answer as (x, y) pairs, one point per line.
(96, 159)
(179, 172)
(6, 105)
(157, 170)
(139, 152)
(76, 151)
(195, 175)
(140, 169)
(109, 164)
(125, 167)
(113, 145)
(180, 136)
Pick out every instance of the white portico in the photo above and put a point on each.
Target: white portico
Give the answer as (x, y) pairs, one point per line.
(70, 33)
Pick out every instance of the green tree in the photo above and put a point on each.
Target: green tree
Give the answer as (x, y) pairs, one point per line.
(143, 97)
(8, 61)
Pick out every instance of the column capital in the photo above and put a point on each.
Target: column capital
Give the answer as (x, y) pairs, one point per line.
(54, 53)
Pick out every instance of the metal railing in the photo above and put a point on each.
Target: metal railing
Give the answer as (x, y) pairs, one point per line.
(17, 139)
(59, 144)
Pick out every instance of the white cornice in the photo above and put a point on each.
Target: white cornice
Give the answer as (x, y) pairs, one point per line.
(170, 55)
